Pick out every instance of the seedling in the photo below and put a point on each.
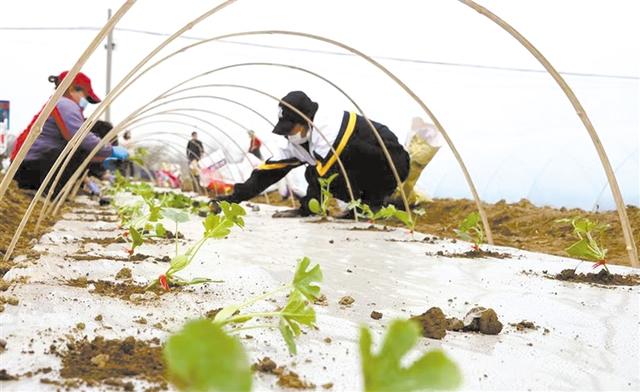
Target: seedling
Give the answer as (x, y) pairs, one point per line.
(471, 230)
(587, 248)
(139, 155)
(385, 371)
(215, 226)
(297, 312)
(384, 213)
(203, 357)
(322, 207)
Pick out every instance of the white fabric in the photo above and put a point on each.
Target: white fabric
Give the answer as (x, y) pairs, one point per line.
(327, 125)
(426, 131)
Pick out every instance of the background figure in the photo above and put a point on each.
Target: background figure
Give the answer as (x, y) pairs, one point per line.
(195, 150)
(127, 165)
(65, 120)
(254, 145)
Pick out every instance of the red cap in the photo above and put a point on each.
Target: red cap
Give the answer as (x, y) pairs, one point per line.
(82, 80)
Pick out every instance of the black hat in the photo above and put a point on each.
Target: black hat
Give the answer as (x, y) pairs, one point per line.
(288, 117)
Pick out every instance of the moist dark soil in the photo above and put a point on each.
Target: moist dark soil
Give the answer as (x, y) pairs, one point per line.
(286, 378)
(371, 228)
(81, 257)
(475, 254)
(12, 208)
(425, 240)
(106, 241)
(435, 324)
(116, 290)
(102, 361)
(520, 225)
(602, 278)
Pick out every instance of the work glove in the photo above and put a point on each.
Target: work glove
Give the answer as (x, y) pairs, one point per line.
(93, 188)
(110, 163)
(119, 152)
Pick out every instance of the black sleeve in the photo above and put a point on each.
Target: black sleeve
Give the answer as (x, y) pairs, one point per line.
(261, 178)
(313, 190)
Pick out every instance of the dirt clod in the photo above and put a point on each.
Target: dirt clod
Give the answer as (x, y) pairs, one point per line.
(376, 315)
(289, 379)
(265, 365)
(433, 322)
(346, 300)
(524, 324)
(124, 274)
(602, 277)
(4, 376)
(482, 320)
(454, 324)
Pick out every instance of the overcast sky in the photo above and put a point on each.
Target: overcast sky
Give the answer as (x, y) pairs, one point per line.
(516, 131)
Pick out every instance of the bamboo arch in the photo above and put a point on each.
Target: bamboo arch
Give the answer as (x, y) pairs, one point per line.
(172, 112)
(582, 114)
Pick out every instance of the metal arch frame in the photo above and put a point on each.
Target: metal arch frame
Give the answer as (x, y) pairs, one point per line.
(582, 114)
(111, 134)
(406, 88)
(118, 128)
(64, 191)
(86, 126)
(36, 129)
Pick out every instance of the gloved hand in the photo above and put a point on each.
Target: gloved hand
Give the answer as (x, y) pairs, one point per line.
(93, 188)
(109, 163)
(119, 152)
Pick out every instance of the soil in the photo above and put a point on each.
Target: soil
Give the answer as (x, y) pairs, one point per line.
(482, 320)
(524, 325)
(286, 378)
(102, 361)
(475, 254)
(524, 226)
(602, 278)
(376, 315)
(371, 228)
(435, 324)
(12, 208)
(346, 300)
(519, 225)
(116, 290)
(82, 257)
(124, 274)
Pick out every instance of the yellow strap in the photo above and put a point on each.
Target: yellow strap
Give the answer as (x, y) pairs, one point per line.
(273, 166)
(351, 124)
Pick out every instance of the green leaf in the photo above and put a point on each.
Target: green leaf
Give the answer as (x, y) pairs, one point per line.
(178, 263)
(463, 235)
(583, 249)
(307, 281)
(297, 312)
(470, 221)
(384, 371)
(287, 335)
(160, 230)
(136, 237)
(216, 226)
(314, 206)
(202, 357)
(155, 213)
(233, 212)
(176, 215)
(226, 313)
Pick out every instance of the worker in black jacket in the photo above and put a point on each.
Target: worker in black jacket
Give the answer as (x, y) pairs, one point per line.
(352, 139)
(195, 149)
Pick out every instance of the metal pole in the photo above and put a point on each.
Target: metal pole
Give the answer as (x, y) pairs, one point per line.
(110, 45)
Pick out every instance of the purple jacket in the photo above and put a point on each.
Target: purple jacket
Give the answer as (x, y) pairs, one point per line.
(52, 139)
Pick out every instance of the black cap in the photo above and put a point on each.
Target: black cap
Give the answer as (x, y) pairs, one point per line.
(288, 117)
